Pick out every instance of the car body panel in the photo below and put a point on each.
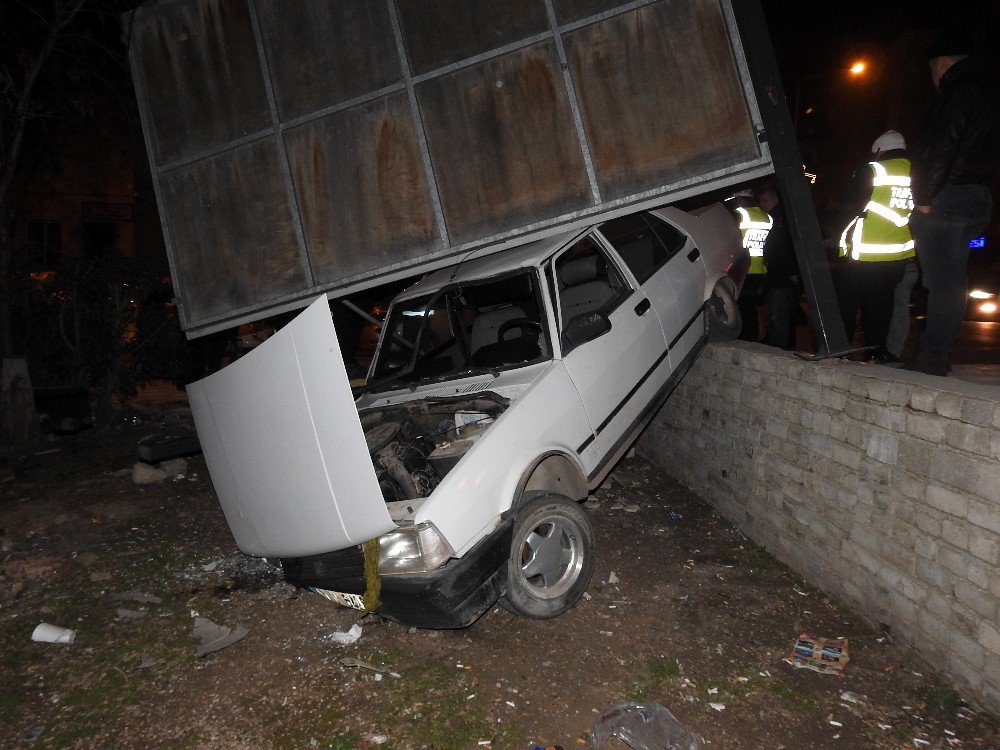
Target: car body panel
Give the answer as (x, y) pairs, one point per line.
(284, 445)
(546, 418)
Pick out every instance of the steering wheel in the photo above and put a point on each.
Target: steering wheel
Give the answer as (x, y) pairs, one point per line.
(527, 325)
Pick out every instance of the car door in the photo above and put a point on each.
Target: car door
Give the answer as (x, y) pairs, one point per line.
(612, 370)
(670, 270)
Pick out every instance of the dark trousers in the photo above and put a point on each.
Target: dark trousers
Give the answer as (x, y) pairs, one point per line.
(781, 302)
(958, 214)
(868, 286)
(752, 295)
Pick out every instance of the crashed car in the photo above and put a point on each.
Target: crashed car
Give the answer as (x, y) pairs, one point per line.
(504, 389)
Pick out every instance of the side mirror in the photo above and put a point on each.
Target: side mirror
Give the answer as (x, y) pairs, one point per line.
(584, 328)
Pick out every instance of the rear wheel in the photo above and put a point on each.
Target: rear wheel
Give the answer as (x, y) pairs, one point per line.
(724, 320)
(551, 558)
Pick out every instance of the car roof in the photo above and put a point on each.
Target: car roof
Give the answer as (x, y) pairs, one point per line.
(491, 261)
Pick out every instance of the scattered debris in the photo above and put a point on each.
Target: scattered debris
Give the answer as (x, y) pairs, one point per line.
(175, 468)
(33, 734)
(613, 578)
(852, 697)
(46, 633)
(823, 655)
(146, 661)
(143, 473)
(350, 661)
(671, 516)
(643, 726)
(344, 638)
(592, 503)
(213, 637)
(129, 614)
(718, 706)
(139, 597)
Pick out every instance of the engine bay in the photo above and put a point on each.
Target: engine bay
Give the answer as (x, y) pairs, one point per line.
(414, 445)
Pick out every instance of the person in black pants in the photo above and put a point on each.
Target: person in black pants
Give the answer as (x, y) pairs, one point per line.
(782, 274)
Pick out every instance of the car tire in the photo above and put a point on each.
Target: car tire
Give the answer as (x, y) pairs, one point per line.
(724, 320)
(551, 558)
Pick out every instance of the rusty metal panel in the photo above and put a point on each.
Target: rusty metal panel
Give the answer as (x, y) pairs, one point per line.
(660, 95)
(568, 11)
(231, 215)
(201, 72)
(503, 145)
(364, 198)
(440, 32)
(301, 147)
(341, 50)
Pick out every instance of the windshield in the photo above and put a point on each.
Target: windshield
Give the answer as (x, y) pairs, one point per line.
(491, 325)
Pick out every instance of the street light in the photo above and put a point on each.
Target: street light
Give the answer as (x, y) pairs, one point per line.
(857, 69)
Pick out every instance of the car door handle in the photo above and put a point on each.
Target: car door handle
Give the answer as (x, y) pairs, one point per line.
(694, 255)
(641, 308)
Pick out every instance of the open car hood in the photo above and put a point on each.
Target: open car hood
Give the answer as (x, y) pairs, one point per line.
(284, 445)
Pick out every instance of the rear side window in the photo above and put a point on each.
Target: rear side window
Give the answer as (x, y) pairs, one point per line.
(644, 242)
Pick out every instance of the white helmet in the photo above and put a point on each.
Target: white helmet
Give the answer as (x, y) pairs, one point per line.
(747, 193)
(888, 141)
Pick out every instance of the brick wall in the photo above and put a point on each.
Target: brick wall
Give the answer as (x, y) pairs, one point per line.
(880, 486)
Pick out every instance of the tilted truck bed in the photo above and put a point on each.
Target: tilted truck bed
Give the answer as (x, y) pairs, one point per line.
(324, 146)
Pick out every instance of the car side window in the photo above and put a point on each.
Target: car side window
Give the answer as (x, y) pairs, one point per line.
(673, 239)
(644, 242)
(588, 281)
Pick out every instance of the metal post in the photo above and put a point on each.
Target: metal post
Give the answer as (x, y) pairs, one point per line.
(799, 208)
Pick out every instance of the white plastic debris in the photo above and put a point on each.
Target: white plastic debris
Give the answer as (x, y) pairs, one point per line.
(46, 633)
(345, 638)
(612, 578)
(718, 706)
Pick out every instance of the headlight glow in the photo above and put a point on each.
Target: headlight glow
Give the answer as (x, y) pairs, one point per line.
(980, 294)
(413, 549)
(988, 307)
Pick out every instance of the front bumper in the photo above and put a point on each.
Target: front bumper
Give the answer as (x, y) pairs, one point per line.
(453, 596)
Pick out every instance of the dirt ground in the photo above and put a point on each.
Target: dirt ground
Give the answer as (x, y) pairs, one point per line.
(682, 611)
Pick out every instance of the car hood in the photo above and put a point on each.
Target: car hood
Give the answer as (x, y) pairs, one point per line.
(284, 445)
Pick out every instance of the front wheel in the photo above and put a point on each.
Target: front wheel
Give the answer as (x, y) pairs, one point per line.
(551, 558)
(724, 320)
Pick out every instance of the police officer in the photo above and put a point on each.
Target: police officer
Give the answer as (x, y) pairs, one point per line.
(754, 224)
(876, 245)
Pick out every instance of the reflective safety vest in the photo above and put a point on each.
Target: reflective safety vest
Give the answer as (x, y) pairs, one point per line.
(882, 232)
(754, 226)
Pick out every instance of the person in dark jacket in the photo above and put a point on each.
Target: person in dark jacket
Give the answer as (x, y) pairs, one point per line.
(782, 274)
(953, 164)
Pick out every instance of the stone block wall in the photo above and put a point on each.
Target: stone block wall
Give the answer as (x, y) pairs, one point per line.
(879, 486)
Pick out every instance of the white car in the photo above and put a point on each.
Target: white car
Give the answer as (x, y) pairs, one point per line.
(503, 390)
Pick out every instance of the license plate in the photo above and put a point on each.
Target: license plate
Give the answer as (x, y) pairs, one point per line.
(355, 601)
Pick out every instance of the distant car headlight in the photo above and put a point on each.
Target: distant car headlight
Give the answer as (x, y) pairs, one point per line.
(988, 307)
(413, 549)
(980, 294)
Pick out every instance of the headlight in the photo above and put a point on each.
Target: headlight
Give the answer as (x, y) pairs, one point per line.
(988, 308)
(980, 294)
(413, 549)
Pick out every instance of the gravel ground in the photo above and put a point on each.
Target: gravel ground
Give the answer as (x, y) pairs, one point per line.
(683, 611)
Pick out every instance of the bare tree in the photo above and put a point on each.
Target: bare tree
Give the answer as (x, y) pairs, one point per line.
(21, 69)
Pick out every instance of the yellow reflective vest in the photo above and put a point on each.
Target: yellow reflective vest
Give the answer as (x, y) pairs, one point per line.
(754, 226)
(882, 233)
